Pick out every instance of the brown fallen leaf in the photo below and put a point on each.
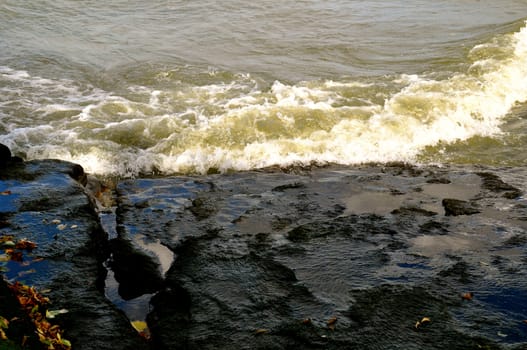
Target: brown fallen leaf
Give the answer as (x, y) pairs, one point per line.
(33, 302)
(332, 320)
(25, 245)
(261, 331)
(5, 193)
(467, 296)
(306, 321)
(14, 255)
(332, 323)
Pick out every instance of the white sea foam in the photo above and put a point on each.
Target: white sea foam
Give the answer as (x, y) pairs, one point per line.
(236, 124)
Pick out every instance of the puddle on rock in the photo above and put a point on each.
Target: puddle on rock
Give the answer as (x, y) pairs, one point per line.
(379, 203)
(135, 309)
(163, 254)
(433, 245)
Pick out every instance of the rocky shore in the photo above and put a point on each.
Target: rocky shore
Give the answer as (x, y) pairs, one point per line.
(385, 256)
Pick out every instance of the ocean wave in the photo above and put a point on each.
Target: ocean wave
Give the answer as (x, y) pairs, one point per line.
(190, 120)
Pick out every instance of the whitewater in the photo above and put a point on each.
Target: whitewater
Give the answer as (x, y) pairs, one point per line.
(172, 87)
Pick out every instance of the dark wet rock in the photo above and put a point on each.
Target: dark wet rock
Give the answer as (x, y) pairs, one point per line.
(47, 206)
(336, 211)
(142, 205)
(517, 240)
(281, 223)
(217, 299)
(433, 227)
(396, 192)
(77, 173)
(312, 258)
(438, 180)
(269, 268)
(512, 194)
(396, 245)
(401, 168)
(455, 207)
(398, 312)
(413, 211)
(354, 227)
(202, 208)
(5, 154)
(4, 224)
(459, 271)
(295, 185)
(492, 182)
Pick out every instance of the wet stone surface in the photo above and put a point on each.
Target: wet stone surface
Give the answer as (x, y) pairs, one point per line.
(374, 257)
(45, 202)
(334, 258)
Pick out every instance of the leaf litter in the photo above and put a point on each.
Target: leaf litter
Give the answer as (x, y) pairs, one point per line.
(34, 304)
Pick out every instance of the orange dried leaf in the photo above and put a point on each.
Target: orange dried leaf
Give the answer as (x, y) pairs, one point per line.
(25, 245)
(332, 320)
(467, 296)
(145, 335)
(32, 301)
(53, 330)
(5, 193)
(14, 255)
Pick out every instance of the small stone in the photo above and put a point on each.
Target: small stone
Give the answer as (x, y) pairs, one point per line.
(455, 207)
(5, 154)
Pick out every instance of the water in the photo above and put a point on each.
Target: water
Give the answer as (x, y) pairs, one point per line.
(131, 87)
